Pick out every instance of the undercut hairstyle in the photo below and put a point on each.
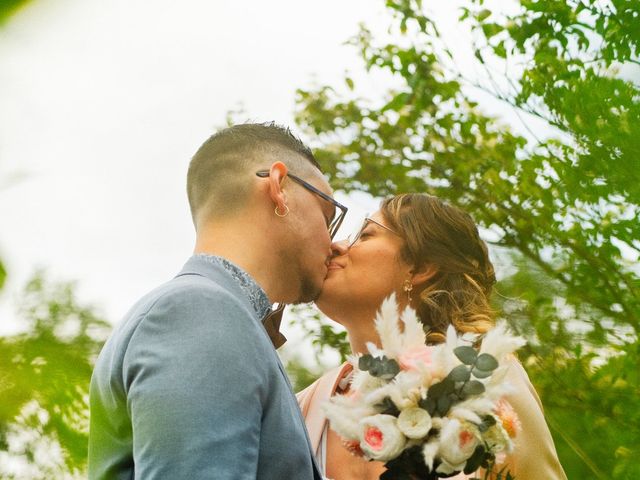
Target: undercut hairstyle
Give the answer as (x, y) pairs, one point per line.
(221, 171)
(440, 234)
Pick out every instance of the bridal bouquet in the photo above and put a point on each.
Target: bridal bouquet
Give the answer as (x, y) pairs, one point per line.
(428, 412)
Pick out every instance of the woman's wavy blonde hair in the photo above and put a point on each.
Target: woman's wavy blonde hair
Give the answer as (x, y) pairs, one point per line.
(436, 233)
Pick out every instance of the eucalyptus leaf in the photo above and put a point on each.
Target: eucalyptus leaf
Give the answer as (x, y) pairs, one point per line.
(429, 404)
(442, 405)
(365, 362)
(391, 368)
(466, 355)
(486, 362)
(461, 373)
(387, 407)
(440, 389)
(473, 387)
(476, 372)
(385, 375)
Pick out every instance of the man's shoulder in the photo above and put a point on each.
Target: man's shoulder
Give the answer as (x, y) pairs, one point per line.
(186, 290)
(186, 301)
(187, 310)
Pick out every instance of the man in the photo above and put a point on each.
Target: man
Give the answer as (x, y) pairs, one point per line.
(190, 385)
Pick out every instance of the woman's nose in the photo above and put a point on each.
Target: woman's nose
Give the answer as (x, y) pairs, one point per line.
(340, 247)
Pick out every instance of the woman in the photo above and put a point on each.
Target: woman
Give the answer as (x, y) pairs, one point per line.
(430, 255)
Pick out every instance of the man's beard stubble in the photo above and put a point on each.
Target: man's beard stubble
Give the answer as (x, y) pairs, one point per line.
(309, 289)
(292, 260)
(309, 292)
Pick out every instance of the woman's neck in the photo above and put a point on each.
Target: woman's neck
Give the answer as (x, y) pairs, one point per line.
(361, 331)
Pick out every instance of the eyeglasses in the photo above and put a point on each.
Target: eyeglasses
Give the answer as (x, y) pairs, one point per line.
(336, 221)
(352, 239)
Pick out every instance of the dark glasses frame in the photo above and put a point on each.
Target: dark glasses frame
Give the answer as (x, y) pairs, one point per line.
(335, 223)
(366, 222)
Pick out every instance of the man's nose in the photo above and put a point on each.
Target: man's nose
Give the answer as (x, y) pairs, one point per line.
(339, 248)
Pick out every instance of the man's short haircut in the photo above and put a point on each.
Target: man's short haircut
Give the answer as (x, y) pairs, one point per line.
(221, 172)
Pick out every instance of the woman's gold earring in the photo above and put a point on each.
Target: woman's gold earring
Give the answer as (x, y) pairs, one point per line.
(286, 212)
(407, 287)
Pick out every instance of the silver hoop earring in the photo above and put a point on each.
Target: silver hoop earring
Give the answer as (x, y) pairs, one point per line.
(286, 212)
(407, 286)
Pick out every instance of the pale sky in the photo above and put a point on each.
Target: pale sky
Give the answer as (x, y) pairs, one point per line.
(103, 104)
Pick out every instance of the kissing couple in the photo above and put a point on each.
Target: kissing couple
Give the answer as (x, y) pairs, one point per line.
(189, 385)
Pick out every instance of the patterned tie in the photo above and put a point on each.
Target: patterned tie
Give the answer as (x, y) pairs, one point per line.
(271, 323)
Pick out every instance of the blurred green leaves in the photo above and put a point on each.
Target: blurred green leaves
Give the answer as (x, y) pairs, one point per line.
(9, 7)
(45, 372)
(3, 274)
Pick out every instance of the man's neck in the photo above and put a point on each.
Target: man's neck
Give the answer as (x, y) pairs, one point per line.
(244, 248)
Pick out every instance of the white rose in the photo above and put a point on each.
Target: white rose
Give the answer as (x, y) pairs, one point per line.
(380, 437)
(414, 422)
(458, 440)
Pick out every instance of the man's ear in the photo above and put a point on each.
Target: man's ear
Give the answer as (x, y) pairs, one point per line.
(277, 175)
(423, 274)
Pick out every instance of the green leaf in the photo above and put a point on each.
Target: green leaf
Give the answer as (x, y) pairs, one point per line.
(390, 369)
(486, 362)
(387, 407)
(436, 393)
(429, 404)
(349, 82)
(442, 405)
(3, 274)
(478, 54)
(365, 362)
(397, 102)
(483, 14)
(474, 462)
(473, 388)
(491, 29)
(487, 422)
(466, 355)
(461, 373)
(500, 50)
(476, 372)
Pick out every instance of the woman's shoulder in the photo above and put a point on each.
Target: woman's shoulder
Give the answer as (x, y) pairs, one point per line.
(323, 388)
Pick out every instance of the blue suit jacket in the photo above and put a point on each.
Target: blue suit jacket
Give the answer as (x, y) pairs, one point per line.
(190, 386)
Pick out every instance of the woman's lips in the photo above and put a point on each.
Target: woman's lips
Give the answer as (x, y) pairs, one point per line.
(334, 266)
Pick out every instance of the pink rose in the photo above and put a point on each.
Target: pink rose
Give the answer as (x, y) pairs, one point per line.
(410, 359)
(380, 438)
(373, 437)
(458, 440)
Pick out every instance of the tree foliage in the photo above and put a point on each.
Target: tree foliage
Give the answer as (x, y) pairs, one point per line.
(561, 194)
(10, 7)
(44, 381)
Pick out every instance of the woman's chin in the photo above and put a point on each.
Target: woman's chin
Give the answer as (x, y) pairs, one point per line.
(322, 301)
(328, 298)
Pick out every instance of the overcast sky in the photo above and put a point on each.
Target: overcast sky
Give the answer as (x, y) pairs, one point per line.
(104, 102)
